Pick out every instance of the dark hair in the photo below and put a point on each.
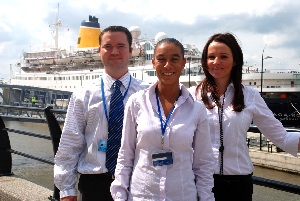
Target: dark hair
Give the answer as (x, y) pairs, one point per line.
(209, 85)
(172, 41)
(117, 29)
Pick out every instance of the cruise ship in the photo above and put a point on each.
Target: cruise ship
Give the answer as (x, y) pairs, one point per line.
(59, 69)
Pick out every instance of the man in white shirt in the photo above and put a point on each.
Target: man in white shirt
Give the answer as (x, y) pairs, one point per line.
(84, 143)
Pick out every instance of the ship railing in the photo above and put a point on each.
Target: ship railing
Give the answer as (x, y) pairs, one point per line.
(55, 134)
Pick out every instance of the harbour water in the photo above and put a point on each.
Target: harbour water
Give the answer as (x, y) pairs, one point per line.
(42, 174)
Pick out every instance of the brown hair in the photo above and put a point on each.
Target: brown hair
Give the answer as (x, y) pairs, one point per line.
(117, 29)
(209, 85)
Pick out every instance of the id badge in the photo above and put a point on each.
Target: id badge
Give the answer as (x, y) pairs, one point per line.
(102, 145)
(160, 159)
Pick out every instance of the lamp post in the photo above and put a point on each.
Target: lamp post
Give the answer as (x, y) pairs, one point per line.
(190, 71)
(262, 69)
(261, 85)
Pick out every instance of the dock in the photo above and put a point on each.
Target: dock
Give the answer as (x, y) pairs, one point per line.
(35, 98)
(12, 188)
(28, 96)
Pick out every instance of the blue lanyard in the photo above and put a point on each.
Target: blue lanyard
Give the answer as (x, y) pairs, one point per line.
(162, 125)
(109, 120)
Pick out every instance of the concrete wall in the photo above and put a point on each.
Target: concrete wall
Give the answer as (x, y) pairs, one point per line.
(16, 189)
(278, 161)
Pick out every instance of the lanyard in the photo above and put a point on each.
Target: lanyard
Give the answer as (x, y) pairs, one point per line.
(109, 120)
(221, 149)
(162, 125)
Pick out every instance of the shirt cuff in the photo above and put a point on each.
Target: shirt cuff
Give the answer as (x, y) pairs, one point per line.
(291, 143)
(68, 192)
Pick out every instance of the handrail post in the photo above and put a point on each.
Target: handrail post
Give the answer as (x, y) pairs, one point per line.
(5, 155)
(55, 132)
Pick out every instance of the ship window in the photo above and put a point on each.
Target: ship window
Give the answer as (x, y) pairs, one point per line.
(149, 56)
(249, 83)
(254, 83)
(151, 73)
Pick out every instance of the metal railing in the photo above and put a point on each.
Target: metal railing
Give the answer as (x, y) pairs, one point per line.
(267, 143)
(5, 147)
(55, 134)
(29, 114)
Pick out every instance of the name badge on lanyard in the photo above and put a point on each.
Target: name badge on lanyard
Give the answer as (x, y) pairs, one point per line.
(163, 157)
(102, 145)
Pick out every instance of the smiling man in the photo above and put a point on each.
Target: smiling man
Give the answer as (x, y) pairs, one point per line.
(91, 136)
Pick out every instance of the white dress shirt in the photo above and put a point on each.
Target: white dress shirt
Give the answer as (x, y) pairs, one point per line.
(186, 136)
(84, 126)
(235, 126)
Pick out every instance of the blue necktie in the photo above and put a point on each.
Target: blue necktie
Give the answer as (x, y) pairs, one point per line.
(116, 114)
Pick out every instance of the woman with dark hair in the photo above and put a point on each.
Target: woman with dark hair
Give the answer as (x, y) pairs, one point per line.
(165, 153)
(231, 107)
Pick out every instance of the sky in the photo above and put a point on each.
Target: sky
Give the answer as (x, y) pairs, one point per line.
(263, 27)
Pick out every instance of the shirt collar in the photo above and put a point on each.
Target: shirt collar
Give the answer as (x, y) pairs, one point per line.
(185, 94)
(109, 81)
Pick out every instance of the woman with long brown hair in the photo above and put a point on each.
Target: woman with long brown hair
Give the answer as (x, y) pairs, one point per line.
(231, 107)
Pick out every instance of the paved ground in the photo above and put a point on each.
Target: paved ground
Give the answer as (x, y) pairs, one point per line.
(264, 193)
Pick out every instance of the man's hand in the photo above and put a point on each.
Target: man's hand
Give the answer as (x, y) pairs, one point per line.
(69, 198)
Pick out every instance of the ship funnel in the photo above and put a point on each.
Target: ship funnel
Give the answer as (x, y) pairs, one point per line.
(89, 34)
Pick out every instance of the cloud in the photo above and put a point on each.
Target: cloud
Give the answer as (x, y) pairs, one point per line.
(24, 25)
